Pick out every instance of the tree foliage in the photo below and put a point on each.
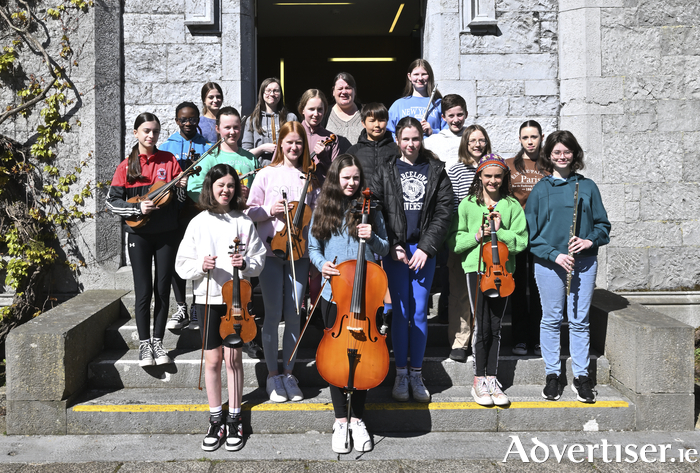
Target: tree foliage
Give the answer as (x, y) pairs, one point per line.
(40, 197)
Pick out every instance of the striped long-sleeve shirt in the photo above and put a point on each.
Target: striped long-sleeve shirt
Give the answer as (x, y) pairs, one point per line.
(461, 176)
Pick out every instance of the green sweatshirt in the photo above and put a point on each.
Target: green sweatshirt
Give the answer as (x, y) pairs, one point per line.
(242, 161)
(513, 231)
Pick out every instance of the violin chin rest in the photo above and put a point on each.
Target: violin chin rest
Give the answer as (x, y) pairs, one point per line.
(232, 341)
(492, 293)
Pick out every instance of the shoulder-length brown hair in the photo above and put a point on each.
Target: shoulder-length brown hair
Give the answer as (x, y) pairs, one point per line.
(410, 122)
(333, 208)
(287, 128)
(567, 139)
(255, 119)
(463, 153)
(408, 89)
(206, 198)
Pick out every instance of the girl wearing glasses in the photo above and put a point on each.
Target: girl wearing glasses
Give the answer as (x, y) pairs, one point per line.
(475, 144)
(262, 129)
(549, 212)
(181, 144)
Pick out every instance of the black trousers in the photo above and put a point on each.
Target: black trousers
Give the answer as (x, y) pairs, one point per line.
(526, 314)
(143, 249)
(486, 338)
(338, 395)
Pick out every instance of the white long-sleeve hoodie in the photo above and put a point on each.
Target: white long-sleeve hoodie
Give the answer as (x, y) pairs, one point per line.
(212, 234)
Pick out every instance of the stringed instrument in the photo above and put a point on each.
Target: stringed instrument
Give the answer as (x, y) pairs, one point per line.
(299, 219)
(237, 295)
(496, 281)
(161, 194)
(353, 354)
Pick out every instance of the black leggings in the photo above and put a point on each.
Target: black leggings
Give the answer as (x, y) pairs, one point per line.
(338, 396)
(143, 248)
(526, 315)
(486, 338)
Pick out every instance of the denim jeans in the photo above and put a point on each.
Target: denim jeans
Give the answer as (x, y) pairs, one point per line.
(551, 281)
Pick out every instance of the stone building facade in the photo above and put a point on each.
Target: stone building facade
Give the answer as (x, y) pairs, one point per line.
(622, 75)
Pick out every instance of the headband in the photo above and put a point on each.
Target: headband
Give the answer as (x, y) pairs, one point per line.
(491, 160)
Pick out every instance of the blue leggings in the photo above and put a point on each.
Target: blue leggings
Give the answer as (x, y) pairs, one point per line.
(410, 292)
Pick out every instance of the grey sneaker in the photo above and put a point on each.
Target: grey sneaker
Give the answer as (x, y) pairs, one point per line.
(291, 386)
(159, 353)
(400, 391)
(146, 354)
(420, 392)
(179, 319)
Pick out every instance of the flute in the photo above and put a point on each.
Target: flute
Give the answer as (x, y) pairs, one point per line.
(572, 233)
(427, 109)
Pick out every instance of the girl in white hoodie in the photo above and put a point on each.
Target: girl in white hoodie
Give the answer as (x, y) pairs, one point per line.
(204, 257)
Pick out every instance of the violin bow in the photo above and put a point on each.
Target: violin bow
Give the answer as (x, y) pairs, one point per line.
(430, 102)
(206, 330)
(478, 275)
(308, 317)
(290, 255)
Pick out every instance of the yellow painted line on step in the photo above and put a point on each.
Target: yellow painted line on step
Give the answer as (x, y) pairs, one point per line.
(302, 407)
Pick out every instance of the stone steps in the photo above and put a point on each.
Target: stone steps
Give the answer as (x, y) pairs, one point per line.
(185, 410)
(120, 369)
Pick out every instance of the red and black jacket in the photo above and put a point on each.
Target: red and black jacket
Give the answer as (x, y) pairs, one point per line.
(162, 166)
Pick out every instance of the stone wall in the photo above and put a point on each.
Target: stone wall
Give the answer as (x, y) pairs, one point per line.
(507, 73)
(166, 64)
(629, 91)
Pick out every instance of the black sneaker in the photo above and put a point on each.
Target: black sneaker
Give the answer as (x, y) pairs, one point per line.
(253, 350)
(458, 354)
(179, 319)
(234, 435)
(583, 387)
(552, 389)
(215, 435)
(194, 323)
(146, 354)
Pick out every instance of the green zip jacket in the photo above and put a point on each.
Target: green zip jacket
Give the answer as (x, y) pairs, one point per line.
(550, 213)
(513, 231)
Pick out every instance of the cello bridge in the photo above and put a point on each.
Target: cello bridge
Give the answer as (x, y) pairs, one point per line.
(355, 329)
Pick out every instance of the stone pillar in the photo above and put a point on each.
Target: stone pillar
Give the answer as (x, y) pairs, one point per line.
(238, 54)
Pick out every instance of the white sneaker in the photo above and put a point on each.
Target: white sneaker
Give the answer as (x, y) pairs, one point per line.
(400, 391)
(520, 349)
(291, 385)
(360, 437)
(480, 391)
(275, 389)
(420, 392)
(340, 434)
(498, 397)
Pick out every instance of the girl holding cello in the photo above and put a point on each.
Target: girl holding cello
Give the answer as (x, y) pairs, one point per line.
(203, 257)
(156, 240)
(335, 233)
(489, 194)
(562, 249)
(417, 205)
(281, 292)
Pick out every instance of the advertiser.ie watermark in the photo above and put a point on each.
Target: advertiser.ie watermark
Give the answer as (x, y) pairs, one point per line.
(609, 452)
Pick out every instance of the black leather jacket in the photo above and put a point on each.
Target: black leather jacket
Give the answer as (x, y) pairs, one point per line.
(437, 209)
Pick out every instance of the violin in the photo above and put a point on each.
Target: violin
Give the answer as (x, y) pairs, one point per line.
(299, 216)
(496, 281)
(161, 194)
(326, 142)
(353, 354)
(237, 296)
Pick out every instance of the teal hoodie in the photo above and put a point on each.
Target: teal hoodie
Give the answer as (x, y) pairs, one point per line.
(550, 212)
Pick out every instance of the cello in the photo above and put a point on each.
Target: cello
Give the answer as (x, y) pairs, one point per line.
(496, 281)
(353, 354)
(238, 325)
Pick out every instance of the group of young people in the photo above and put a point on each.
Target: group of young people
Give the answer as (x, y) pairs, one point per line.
(443, 194)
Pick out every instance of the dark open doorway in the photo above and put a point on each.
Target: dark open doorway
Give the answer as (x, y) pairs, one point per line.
(311, 38)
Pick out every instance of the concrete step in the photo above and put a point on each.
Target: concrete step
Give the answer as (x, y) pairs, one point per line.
(120, 369)
(185, 410)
